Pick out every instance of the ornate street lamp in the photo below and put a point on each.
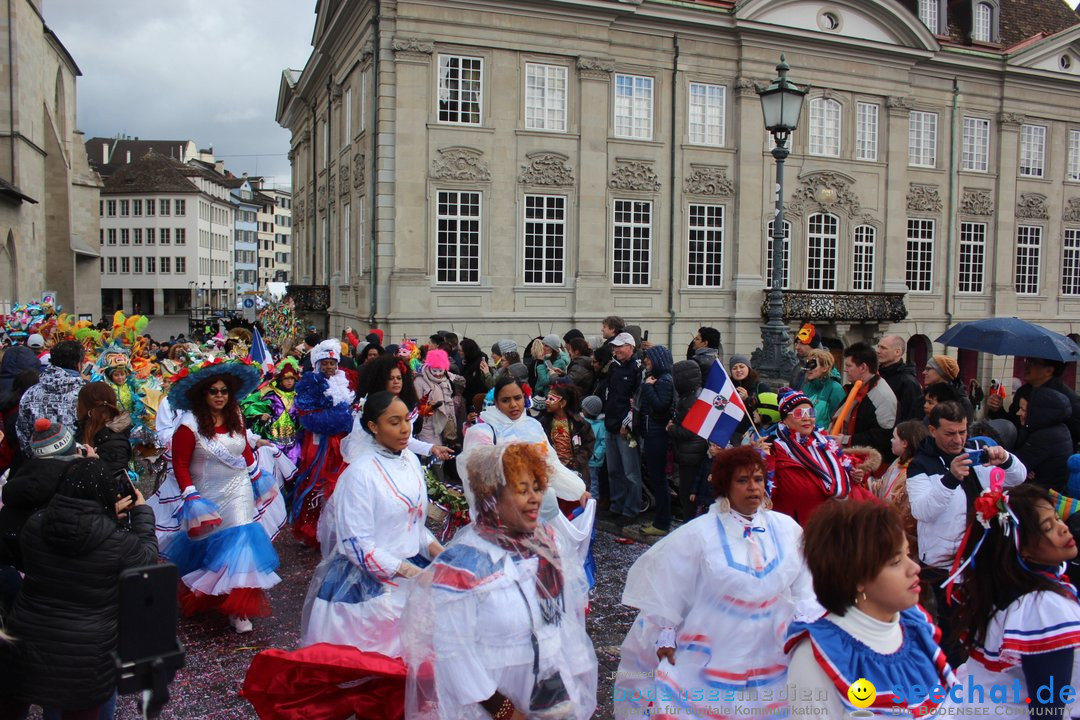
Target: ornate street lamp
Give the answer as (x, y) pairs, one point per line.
(781, 104)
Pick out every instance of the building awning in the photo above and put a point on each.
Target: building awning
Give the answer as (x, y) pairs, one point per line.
(81, 247)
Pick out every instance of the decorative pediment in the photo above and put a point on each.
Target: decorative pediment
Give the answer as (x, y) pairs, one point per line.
(709, 180)
(826, 192)
(884, 21)
(1072, 210)
(1059, 53)
(634, 175)
(1032, 206)
(923, 198)
(546, 169)
(976, 202)
(462, 164)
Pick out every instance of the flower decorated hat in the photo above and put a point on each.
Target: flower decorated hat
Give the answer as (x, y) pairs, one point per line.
(242, 376)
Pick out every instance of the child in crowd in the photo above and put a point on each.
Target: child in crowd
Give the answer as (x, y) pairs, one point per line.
(592, 408)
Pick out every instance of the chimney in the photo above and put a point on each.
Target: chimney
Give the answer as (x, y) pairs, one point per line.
(128, 160)
(104, 153)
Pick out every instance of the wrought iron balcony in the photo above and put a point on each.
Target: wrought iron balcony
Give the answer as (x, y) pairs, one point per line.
(823, 306)
(310, 298)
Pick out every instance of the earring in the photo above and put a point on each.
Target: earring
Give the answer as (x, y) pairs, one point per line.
(864, 596)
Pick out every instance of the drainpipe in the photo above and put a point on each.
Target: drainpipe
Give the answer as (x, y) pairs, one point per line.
(11, 92)
(328, 133)
(313, 224)
(373, 256)
(672, 197)
(953, 179)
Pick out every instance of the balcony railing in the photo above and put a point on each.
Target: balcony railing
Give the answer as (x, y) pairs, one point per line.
(310, 298)
(823, 306)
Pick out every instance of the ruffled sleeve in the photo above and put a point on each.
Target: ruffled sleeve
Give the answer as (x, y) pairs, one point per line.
(1039, 622)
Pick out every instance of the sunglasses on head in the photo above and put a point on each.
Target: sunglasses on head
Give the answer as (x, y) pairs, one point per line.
(804, 411)
(217, 391)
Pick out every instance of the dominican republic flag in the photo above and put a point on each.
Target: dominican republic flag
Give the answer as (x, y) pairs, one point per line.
(718, 410)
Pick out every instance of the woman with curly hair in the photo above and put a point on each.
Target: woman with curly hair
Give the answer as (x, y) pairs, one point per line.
(715, 597)
(496, 626)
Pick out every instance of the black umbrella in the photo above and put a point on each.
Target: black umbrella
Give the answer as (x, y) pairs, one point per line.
(1011, 336)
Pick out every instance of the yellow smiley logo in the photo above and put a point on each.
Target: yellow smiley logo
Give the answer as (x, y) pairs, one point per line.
(862, 693)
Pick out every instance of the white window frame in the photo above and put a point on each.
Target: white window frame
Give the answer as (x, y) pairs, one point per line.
(631, 243)
(449, 245)
(136, 207)
(1070, 262)
(785, 275)
(982, 23)
(125, 265)
(1072, 171)
(546, 97)
(706, 114)
(165, 264)
(136, 236)
(111, 232)
(863, 252)
(971, 263)
(164, 207)
(919, 255)
(928, 14)
(125, 236)
(544, 240)
(346, 122)
(110, 208)
(976, 145)
(922, 139)
(822, 246)
(463, 97)
(180, 265)
(179, 236)
(125, 208)
(112, 266)
(866, 131)
(359, 259)
(179, 207)
(825, 127)
(1028, 259)
(705, 245)
(151, 207)
(137, 265)
(633, 106)
(346, 242)
(151, 236)
(1032, 151)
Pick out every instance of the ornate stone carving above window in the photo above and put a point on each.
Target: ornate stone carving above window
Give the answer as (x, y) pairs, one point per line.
(709, 180)
(1072, 210)
(460, 163)
(358, 171)
(595, 68)
(825, 192)
(745, 87)
(634, 175)
(803, 305)
(344, 178)
(1032, 206)
(322, 200)
(898, 104)
(412, 46)
(301, 212)
(546, 169)
(330, 192)
(1014, 120)
(976, 202)
(923, 198)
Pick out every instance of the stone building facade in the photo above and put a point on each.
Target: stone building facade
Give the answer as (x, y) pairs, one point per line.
(510, 168)
(48, 192)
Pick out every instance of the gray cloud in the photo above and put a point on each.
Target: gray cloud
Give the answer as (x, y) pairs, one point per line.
(205, 70)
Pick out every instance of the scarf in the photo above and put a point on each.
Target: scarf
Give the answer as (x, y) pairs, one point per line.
(540, 543)
(825, 464)
(438, 390)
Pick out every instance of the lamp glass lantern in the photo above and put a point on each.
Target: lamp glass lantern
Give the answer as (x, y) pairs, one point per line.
(781, 102)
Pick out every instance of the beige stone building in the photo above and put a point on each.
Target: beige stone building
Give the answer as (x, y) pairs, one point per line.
(48, 192)
(509, 168)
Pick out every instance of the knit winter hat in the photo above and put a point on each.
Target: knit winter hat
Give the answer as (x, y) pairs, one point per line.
(437, 360)
(519, 372)
(592, 406)
(740, 360)
(51, 439)
(553, 341)
(944, 366)
(790, 399)
(503, 347)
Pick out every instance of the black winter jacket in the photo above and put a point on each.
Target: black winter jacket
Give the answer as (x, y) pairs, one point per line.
(690, 448)
(113, 443)
(622, 384)
(65, 622)
(1044, 442)
(904, 384)
(580, 372)
(28, 490)
(1053, 384)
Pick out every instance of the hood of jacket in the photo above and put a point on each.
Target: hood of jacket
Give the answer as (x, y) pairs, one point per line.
(525, 428)
(687, 377)
(1046, 408)
(74, 527)
(706, 355)
(58, 380)
(18, 358)
(661, 360)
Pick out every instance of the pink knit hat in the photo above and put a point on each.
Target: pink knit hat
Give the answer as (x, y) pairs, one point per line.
(437, 360)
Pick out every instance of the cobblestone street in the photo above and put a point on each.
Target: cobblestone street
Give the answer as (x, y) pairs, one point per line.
(208, 687)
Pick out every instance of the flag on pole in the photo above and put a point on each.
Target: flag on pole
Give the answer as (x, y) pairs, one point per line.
(260, 353)
(718, 409)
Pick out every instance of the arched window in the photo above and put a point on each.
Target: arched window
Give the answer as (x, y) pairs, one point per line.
(982, 28)
(60, 106)
(862, 258)
(822, 237)
(928, 13)
(785, 263)
(824, 131)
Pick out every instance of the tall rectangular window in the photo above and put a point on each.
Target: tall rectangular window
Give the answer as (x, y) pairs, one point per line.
(633, 107)
(1028, 259)
(824, 127)
(706, 116)
(785, 259)
(983, 23)
(125, 265)
(136, 208)
(1070, 263)
(125, 236)
(545, 239)
(179, 208)
(705, 252)
(151, 236)
(163, 208)
(166, 262)
(928, 13)
(150, 208)
(125, 208)
(972, 257)
(165, 236)
(360, 234)
(346, 242)
(180, 234)
(112, 265)
(862, 258)
(919, 260)
(458, 237)
(138, 264)
(866, 131)
(346, 123)
(922, 139)
(1032, 150)
(112, 236)
(460, 89)
(976, 155)
(110, 208)
(1073, 170)
(151, 264)
(632, 242)
(136, 238)
(545, 97)
(822, 237)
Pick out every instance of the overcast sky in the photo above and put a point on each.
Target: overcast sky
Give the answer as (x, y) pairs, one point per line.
(204, 70)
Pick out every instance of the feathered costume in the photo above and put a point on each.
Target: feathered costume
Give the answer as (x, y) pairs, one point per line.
(284, 427)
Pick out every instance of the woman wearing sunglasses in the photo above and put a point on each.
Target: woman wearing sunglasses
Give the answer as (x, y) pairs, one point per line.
(225, 558)
(809, 467)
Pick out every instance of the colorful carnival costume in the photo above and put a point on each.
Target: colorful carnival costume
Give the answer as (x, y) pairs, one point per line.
(283, 429)
(722, 590)
(830, 654)
(372, 523)
(225, 559)
(324, 407)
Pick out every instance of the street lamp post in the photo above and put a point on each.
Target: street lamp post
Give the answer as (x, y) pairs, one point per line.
(781, 104)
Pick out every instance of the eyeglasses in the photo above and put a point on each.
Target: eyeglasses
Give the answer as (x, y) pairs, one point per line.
(804, 411)
(217, 391)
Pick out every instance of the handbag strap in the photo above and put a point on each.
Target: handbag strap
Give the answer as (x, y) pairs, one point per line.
(532, 634)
